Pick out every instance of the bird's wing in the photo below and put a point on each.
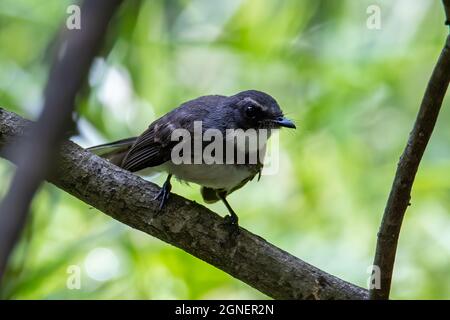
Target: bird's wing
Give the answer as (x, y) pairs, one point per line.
(154, 146)
(151, 148)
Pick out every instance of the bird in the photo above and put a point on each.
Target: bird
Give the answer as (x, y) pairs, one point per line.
(153, 150)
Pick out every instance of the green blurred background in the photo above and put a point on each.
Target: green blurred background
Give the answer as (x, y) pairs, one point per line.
(353, 91)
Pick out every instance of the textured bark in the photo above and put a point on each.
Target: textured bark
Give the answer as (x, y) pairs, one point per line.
(400, 195)
(184, 224)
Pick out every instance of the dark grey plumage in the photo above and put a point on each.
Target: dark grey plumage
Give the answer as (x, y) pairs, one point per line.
(249, 109)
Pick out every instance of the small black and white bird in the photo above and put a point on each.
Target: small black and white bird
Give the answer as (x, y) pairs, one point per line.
(152, 150)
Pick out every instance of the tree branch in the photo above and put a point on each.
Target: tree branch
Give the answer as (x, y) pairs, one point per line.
(184, 224)
(447, 11)
(36, 154)
(400, 195)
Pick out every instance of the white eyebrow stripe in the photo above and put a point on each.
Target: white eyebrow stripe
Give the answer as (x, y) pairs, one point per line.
(255, 102)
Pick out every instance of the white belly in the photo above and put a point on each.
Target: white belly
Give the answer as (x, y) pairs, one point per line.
(216, 176)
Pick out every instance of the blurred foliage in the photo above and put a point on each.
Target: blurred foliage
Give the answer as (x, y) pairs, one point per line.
(353, 91)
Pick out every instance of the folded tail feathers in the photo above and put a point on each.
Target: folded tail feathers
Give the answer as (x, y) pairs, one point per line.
(209, 195)
(113, 151)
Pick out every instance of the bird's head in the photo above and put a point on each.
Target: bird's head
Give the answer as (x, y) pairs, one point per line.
(258, 110)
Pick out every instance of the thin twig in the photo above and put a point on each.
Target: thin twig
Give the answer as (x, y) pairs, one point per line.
(185, 224)
(36, 154)
(447, 11)
(400, 195)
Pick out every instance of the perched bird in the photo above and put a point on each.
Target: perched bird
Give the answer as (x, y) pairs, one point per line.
(154, 148)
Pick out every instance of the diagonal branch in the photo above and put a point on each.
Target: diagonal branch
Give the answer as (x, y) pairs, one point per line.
(400, 195)
(184, 224)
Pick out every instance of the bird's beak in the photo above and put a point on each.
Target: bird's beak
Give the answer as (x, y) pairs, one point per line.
(283, 122)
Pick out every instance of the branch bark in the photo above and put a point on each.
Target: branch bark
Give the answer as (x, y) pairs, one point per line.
(184, 224)
(36, 154)
(400, 194)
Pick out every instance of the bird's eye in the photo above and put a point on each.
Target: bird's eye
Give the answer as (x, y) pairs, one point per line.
(251, 112)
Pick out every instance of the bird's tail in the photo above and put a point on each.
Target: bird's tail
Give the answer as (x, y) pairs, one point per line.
(115, 151)
(209, 195)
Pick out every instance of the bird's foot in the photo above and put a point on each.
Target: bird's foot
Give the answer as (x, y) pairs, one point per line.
(231, 223)
(163, 194)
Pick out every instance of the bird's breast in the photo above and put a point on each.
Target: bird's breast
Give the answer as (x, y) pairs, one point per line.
(223, 174)
(216, 176)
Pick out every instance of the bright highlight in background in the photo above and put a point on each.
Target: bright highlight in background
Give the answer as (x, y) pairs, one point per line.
(101, 264)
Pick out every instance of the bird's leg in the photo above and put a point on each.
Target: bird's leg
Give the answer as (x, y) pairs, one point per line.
(231, 220)
(164, 192)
